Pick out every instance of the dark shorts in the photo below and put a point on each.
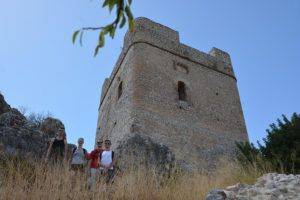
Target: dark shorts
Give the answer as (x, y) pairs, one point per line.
(110, 175)
(78, 167)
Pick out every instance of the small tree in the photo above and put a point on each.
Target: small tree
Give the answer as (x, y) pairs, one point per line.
(37, 118)
(281, 147)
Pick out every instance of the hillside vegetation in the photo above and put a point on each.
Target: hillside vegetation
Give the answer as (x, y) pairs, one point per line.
(20, 179)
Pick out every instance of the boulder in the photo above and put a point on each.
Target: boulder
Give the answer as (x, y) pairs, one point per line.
(50, 126)
(269, 186)
(20, 140)
(216, 194)
(139, 150)
(12, 118)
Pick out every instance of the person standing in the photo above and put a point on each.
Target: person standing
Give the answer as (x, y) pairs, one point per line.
(93, 158)
(57, 150)
(79, 157)
(107, 161)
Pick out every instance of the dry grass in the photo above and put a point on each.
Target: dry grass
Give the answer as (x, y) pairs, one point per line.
(20, 180)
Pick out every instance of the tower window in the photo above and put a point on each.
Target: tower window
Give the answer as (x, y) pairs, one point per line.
(120, 89)
(181, 91)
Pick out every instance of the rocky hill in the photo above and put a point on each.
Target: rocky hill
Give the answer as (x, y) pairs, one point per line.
(21, 136)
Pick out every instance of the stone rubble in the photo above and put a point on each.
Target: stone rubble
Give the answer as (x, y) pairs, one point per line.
(271, 186)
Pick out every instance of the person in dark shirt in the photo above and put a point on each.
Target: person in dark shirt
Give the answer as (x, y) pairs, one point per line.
(57, 149)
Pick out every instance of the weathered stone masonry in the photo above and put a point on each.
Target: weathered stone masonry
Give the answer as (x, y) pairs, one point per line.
(165, 93)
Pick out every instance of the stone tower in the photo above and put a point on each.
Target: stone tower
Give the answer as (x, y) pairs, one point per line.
(170, 103)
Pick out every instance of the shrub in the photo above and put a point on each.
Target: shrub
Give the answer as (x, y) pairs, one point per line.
(281, 148)
(37, 118)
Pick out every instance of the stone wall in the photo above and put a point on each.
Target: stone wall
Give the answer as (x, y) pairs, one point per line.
(114, 120)
(197, 131)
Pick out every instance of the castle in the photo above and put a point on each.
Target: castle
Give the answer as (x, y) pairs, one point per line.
(177, 98)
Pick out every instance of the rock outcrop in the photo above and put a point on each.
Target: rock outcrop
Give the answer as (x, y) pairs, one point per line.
(271, 186)
(137, 151)
(4, 107)
(20, 136)
(50, 126)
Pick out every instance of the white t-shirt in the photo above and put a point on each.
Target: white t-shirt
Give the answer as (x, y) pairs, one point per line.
(78, 157)
(106, 158)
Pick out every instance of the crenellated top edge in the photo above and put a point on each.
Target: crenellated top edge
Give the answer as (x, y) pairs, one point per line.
(167, 39)
(163, 37)
(142, 24)
(220, 54)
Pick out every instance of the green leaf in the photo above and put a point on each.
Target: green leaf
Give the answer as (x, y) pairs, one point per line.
(101, 40)
(112, 4)
(119, 16)
(80, 38)
(75, 36)
(123, 22)
(107, 29)
(96, 50)
(105, 3)
(128, 13)
(112, 32)
(130, 18)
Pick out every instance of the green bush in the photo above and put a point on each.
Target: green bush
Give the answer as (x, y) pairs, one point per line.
(281, 148)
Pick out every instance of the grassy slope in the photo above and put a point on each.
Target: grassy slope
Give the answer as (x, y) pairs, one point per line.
(22, 180)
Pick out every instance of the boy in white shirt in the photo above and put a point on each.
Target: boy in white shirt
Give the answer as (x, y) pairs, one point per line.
(107, 161)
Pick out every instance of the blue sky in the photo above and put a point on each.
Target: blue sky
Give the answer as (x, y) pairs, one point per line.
(41, 70)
